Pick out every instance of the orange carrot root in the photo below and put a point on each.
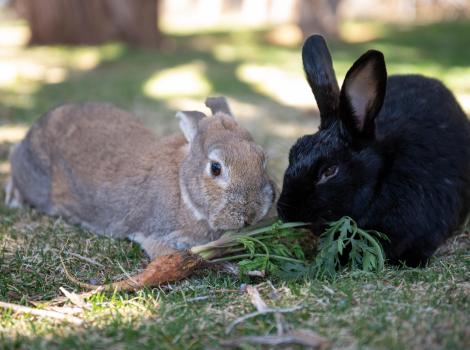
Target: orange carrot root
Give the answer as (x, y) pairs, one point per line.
(167, 268)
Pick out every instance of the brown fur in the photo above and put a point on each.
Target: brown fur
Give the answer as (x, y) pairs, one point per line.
(99, 167)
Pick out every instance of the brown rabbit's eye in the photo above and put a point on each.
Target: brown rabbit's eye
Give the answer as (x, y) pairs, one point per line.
(328, 173)
(216, 168)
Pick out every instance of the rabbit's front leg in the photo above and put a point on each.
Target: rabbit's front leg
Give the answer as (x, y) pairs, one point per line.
(13, 197)
(156, 245)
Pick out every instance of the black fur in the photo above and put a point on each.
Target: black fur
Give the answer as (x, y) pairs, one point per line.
(401, 147)
(321, 76)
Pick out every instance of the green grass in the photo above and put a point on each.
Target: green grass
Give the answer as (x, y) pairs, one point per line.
(398, 309)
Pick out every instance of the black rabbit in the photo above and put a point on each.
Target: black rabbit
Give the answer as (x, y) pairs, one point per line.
(394, 154)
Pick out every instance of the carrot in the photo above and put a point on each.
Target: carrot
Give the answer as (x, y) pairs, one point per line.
(167, 268)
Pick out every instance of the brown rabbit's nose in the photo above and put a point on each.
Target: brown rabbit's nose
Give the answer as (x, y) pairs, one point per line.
(250, 217)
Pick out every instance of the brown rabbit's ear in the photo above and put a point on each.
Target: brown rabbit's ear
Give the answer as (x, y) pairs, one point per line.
(218, 104)
(189, 123)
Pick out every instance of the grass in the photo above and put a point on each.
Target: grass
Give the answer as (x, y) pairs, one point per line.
(399, 308)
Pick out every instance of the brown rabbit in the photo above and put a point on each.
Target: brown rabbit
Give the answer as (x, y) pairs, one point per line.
(98, 166)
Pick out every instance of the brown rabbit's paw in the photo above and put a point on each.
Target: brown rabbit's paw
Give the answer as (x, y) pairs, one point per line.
(13, 197)
(151, 246)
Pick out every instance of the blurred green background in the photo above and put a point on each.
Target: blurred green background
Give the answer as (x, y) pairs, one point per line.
(246, 50)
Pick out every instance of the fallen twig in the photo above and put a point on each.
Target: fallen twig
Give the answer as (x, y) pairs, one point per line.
(256, 299)
(200, 298)
(42, 313)
(63, 299)
(261, 306)
(65, 310)
(74, 298)
(303, 337)
(84, 258)
(239, 320)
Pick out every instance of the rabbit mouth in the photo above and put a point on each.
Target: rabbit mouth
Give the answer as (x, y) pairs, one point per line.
(234, 222)
(236, 213)
(224, 224)
(287, 212)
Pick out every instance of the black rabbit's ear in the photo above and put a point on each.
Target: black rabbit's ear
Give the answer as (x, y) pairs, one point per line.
(362, 94)
(321, 77)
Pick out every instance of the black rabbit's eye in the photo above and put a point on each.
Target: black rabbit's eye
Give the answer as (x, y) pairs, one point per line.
(328, 173)
(216, 168)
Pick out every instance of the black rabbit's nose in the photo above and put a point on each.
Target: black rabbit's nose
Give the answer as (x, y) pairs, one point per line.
(280, 211)
(287, 213)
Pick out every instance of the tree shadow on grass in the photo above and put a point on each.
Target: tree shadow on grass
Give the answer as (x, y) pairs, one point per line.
(120, 80)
